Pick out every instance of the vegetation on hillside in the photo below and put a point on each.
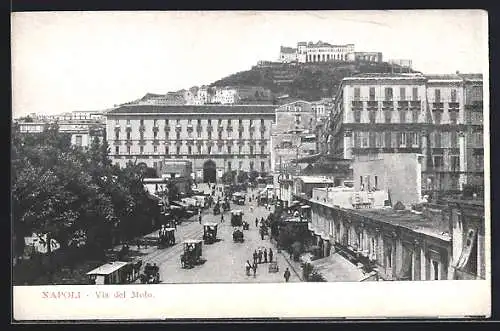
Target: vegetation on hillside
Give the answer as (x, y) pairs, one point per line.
(307, 81)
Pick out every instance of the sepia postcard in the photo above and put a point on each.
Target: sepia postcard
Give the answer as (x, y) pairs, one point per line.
(250, 164)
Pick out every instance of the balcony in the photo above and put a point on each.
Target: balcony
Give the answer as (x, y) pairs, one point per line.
(142, 128)
(210, 128)
(262, 129)
(437, 105)
(117, 128)
(241, 128)
(372, 104)
(156, 128)
(167, 128)
(402, 104)
(220, 128)
(453, 106)
(199, 128)
(178, 128)
(229, 128)
(251, 128)
(156, 142)
(387, 104)
(117, 142)
(128, 128)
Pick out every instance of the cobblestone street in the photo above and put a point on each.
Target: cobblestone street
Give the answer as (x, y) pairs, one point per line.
(225, 259)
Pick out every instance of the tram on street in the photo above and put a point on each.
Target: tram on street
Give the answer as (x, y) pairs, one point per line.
(236, 217)
(192, 253)
(166, 237)
(111, 273)
(210, 233)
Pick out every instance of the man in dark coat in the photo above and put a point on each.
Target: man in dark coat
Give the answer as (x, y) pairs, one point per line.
(287, 275)
(260, 256)
(265, 255)
(270, 255)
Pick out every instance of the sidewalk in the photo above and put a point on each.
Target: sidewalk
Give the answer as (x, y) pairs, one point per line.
(295, 267)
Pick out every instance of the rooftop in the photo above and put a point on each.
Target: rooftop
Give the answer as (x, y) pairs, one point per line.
(406, 219)
(315, 180)
(194, 109)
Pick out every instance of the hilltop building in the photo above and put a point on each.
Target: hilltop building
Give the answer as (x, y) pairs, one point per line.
(310, 52)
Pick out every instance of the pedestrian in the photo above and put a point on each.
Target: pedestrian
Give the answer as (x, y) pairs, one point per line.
(287, 275)
(261, 233)
(265, 255)
(248, 267)
(222, 218)
(256, 222)
(255, 255)
(254, 267)
(199, 218)
(270, 255)
(260, 256)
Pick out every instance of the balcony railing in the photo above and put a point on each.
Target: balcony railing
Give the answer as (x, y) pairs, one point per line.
(372, 104)
(142, 128)
(454, 106)
(229, 128)
(156, 128)
(128, 128)
(387, 104)
(210, 128)
(436, 105)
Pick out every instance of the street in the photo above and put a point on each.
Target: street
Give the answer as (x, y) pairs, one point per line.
(225, 259)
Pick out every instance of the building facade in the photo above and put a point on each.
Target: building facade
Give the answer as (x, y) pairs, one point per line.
(386, 171)
(293, 136)
(400, 245)
(404, 113)
(373, 57)
(215, 138)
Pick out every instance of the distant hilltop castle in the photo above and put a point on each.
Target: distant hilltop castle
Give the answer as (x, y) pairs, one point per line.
(309, 52)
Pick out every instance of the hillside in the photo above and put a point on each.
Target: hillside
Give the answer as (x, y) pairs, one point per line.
(305, 81)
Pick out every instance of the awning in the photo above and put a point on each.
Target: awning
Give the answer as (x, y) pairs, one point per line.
(335, 268)
(467, 248)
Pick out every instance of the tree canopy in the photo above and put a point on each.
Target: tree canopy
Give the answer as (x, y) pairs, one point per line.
(62, 191)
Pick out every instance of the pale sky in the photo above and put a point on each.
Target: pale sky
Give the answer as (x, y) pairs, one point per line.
(66, 61)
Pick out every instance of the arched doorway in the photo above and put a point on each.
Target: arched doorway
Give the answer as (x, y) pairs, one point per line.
(209, 172)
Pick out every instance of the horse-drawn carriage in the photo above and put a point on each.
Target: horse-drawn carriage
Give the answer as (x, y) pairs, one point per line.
(151, 274)
(166, 237)
(238, 235)
(236, 217)
(192, 253)
(239, 198)
(210, 233)
(217, 209)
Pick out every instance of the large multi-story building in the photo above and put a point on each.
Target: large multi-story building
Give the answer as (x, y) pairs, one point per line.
(293, 134)
(401, 113)
(310, 52)
(215, 138)
(474, 128)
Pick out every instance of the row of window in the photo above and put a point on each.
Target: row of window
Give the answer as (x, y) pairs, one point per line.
(403, 139)
(406, 117)
(389, 94)
(190, 122)
(190, 134)
(198, 149)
